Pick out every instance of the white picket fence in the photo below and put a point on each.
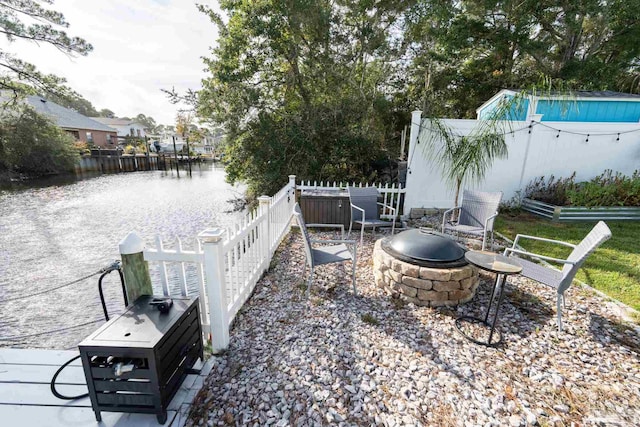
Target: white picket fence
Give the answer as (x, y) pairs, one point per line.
(228, 262)
(391, 194)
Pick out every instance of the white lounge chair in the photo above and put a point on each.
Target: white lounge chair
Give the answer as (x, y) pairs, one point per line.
(475, 215)
(560, 280)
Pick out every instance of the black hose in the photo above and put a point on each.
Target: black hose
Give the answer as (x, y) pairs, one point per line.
(53, 383)
(105, 271)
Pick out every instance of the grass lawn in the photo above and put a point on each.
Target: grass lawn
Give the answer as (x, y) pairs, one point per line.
(613, 269)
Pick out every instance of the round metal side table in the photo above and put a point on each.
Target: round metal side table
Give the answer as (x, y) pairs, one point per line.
(502, 267)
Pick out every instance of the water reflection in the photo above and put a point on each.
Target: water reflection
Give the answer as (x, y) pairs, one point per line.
(54, 234)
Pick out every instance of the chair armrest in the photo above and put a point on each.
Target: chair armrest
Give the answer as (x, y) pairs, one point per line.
(444, 216)
(542, 239)
(388, 207)
(340, 226)
(358, 208)
(486, 223)
(534, 255)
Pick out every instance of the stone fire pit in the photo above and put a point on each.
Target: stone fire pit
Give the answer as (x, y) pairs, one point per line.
(432, 271)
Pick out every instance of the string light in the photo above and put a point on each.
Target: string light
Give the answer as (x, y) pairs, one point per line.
(529, 128)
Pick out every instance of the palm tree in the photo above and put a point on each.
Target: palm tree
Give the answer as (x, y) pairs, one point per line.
(463, 158)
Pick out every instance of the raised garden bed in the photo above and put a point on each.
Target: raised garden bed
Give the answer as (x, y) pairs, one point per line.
(580, 213)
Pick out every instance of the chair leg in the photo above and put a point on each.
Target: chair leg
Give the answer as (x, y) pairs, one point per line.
(393, 226)
(353, 273)
(559, 310)
(309, 282)
(484, 239)
(350, 226)
(361, 235)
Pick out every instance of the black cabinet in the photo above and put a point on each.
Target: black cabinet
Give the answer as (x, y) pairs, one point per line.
(137, 361)
(325, 207)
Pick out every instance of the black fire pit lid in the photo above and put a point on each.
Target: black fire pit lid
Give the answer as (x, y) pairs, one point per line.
(420, 245)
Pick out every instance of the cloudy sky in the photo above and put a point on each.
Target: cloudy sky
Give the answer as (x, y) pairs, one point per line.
(140, 46)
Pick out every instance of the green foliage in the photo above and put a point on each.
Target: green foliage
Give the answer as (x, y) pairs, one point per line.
(148, 122)
(607, 189)
(29, 20)
(463, 52)
(553, 191)
(462, 158)
(105, 112)
(30, 144)
(302, 87)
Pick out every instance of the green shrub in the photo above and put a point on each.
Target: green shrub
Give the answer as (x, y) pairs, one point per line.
(32, 145)
(552, 191)
(607, 189)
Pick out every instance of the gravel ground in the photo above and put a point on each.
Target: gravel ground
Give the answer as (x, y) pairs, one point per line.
(341, 359)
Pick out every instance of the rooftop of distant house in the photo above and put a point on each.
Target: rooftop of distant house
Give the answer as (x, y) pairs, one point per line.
(115, 121)
(64, 117)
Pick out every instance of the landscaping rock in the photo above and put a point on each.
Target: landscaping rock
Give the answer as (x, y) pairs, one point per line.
(369, 359)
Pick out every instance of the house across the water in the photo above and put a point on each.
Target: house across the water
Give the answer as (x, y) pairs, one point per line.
(125, 127)
(580, 106)
(82, 128)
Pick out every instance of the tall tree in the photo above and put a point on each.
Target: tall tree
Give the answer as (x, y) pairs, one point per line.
(147, 121)
(302, 87)
(31, 144)
(31, 21)
(463, 52)
(105, 112)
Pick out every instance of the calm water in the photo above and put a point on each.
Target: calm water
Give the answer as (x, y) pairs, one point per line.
(54, 234)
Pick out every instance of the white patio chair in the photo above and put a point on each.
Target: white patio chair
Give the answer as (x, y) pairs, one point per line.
(475, 214)
(364, 210)
(560, 280)
(337, 252)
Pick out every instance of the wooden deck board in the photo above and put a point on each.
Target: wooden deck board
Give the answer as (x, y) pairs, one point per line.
(12, 373)
(37, 357)
(40, 395)
(26, 399)
(57, 416)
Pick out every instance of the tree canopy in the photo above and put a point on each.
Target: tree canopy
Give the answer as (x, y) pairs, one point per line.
(302, 87)
(32, 145)
(322, 88)
(463, 52)
(33, 21)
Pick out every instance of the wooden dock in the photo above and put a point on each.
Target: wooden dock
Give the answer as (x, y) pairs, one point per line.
(26, 398)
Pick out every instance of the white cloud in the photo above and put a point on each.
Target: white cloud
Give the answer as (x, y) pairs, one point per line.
(140, 47)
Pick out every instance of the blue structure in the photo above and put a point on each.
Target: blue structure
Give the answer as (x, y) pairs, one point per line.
(581, 106)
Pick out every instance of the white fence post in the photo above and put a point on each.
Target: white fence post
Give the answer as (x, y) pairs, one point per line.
(216, 287)
(265, 230)
(292, 184)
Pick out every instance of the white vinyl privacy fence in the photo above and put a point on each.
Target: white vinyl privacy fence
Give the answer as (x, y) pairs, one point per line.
(227, 262)
(536, 148)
